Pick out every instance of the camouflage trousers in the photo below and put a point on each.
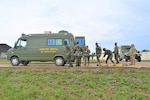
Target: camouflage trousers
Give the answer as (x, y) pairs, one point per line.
(78, 61)
(116, 57)
(86, 60)
(132, 58)
(109, 57)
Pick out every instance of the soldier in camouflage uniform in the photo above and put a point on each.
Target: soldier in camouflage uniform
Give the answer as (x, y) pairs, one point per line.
(116, 53)
(98, 53)
(110, 55)
(77, 50)
(132, 53)
(69, 52)
(86, 54)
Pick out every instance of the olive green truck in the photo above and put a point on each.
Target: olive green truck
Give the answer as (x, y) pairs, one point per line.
(41, 47)
(124, 53)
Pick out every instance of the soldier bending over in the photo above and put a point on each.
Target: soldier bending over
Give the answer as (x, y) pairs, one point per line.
(110, 55)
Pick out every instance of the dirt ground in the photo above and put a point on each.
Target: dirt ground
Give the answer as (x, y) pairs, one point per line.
(143, 64)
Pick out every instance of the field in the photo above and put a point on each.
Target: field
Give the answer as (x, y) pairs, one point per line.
(77, 83)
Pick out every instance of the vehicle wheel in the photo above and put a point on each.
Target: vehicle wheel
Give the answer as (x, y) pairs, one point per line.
(139, 59)
(127, 58)
(59, 61)
(25, 63)
(15, 61)
(136, 56)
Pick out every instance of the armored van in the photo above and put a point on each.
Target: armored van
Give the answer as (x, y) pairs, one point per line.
(124, 53)
(42, 47)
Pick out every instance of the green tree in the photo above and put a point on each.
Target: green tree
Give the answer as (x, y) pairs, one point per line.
(144, 50)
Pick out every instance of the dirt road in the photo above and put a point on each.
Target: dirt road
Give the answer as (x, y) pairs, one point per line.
(48, 65)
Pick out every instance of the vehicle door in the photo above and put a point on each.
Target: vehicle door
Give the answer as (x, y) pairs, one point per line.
(20, 49)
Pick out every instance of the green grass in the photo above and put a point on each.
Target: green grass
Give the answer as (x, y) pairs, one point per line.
(75, 84)
(3, 61)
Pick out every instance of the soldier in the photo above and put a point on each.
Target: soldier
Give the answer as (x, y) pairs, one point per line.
(110, 55)
(98, 53)
(132, 53)
(77, 50)
(116, 53)
(69, 51)
(86, 55)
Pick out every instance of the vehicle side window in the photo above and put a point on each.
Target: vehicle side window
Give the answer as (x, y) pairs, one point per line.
(21, 43)
(54, 42)
(58, 41)
(80, 41)
(51, 41)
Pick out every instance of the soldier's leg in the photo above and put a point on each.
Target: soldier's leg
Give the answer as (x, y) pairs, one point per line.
(79, 61)
(116, 58)
(69, 61)
(88, 59)
(107, 59)
(133, 62)
(76, 61)
(131, 58)
(98, 60)
(84, 60)
(111, 56)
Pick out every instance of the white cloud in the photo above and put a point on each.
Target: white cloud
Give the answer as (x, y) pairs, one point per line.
(100, 21)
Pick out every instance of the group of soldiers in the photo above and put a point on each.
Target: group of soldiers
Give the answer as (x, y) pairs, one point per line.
(77, 52)
(109, 54)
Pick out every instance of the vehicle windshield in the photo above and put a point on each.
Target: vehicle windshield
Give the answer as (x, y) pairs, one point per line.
(125, 49)
(21, 43)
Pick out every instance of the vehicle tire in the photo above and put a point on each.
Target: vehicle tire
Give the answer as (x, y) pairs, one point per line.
(136, 56)
(139, 59)
(25, 63)
(59, 61)
(15, 61)
(126, 58)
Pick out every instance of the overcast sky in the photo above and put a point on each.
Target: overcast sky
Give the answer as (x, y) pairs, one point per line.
(102, 21)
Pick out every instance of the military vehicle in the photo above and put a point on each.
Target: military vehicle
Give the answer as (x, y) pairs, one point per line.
(45, 46)
(124, 53)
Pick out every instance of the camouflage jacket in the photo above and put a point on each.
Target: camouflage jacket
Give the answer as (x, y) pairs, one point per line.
(107, 52)
(86, 52)
(132, 51)
(116, 51)
(68, 50)
(98, 50)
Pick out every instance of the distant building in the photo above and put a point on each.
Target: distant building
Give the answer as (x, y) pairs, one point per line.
(3, 50)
